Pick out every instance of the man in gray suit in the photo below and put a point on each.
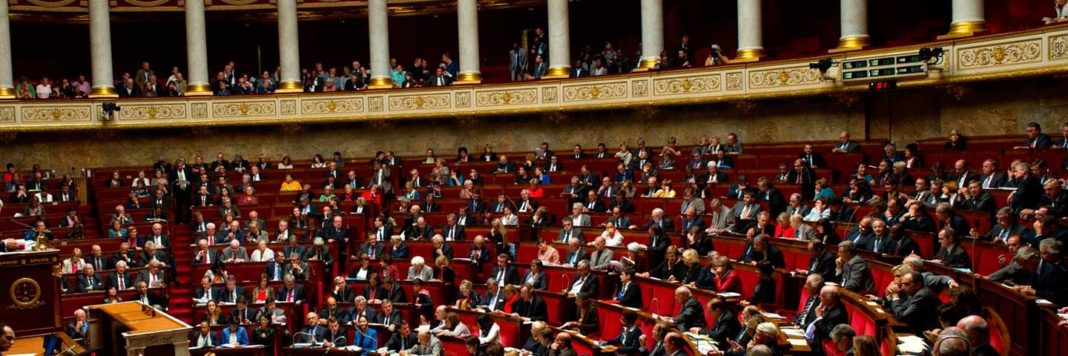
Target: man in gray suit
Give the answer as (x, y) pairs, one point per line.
(517, 62)
(419, 270)
(845, 145)
(578, 217)
(601, 257)
(689, 201)
(428, 345)
(804, 231)
(234, 253)
(853, 272)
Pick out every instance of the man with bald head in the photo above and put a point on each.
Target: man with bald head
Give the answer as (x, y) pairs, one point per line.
(978, 335)
(951, 342)
(429, 345)
(827, 315)
(691, 314)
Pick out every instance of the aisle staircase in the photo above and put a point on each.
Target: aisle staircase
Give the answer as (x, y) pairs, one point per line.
(181, 292)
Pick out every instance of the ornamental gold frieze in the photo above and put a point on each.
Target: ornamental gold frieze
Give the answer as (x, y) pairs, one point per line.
(1058, 47)
(419, 102)
(7, 113)
(339, 105)
(686, 85)
(1011, 53)
(783, 77)
(239, 109)
(516, 96)
(595, 91)
(56, 114)
(153, 111)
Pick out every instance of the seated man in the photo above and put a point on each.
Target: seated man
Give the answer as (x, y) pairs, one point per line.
(914, 304)
(335, 334)
(630, 335)
(726, 325)
(88, 281)
(690, 314)
(852, 271)
(204, 338)
(78, 328)
(312, 333)
(403, 339)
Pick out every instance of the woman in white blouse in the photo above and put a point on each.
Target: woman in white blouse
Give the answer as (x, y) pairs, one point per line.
(452, 326)
(262, 253)
(611, 235)
(509, 218)
(488, 331)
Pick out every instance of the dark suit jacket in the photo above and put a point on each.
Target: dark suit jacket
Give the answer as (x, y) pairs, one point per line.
(955, 257)
(691, 315)
(538, 280)
(664, 270)
(84, 285)
(283, 293)
(394, 318)
(831, 317)
(113, 281)
(916, 310)
(627, 342)
(397, 342)
(1027, 195)
(534, 309)
(632, 297)
(589, 286)
(772, 254)
(199, 294)
(458, 235)
(984, 202)
(856, 276)
(1040, 141)
(727, 326)
(823, 264)
(510, 274)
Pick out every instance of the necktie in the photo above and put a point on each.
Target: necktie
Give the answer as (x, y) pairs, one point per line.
(986, 183)
(92, 282)
(878, 239)
(622, 291)
(452, 233)
(122, 282)
(289, 298)
(98, 267)
(804, 312)
(277, 272)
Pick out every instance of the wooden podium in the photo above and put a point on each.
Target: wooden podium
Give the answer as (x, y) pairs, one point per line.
(29, 300)
(137, 329)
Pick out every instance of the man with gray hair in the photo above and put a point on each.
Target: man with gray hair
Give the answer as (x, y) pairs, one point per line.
(578, 217)
(952, 341)
(1022, 270)
(1051, 274)
(978, 335)
(429, 345)
(657, 218)
(936, 282)
(721, 217)
(585, 283)
(842, 336)
(851, 270)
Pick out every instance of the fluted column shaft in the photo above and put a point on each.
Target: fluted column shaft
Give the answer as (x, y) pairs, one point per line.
(196, 43)
(378, 31)
(652, 33)
(854, 22)
(100, 49)
(750, 31)
(969, 18)
(288, 48)
(467, 21)
(559, 39)
(7, 87)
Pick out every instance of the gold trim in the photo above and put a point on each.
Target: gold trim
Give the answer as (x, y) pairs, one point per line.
(103, 92)
(647, 64)
(380, 83)
(851, 43)
(964, 29)
(198, 90)
(25, 304)
(7, 93)
(291, 86)
(748, 55)
(557, 73)
(468, 78)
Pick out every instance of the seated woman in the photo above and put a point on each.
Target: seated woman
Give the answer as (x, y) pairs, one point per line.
(721, 277)
(612, 236)
(364, 270)
(783, 228)
(443, 271)
(213, 315)
(764, 291)
(547, 253)
(488, 331)
(586, 318)
(468, 298)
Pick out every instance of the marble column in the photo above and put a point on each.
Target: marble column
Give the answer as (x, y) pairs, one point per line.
(378, 30)
(652, 33)
(968, 19)
(750, 32)
(854, 20)
(100, 49)
(559, 40)
(196, 44)
(467, 21)
(288, 48)
(7, 85)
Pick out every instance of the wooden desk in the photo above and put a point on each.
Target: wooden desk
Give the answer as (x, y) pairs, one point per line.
(35, 345)
(291, 351)
(251, 350)
(114, 327)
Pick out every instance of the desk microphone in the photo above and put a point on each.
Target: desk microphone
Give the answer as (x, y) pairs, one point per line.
(657, 309)
(333, 342)
(307, 334)
(568, 284)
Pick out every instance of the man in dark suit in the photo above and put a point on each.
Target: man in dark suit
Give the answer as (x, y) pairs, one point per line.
(531, 306)
(88, 281)
(828, 314)
(291, 291)
(804, 177)
(852, 271)
(503, 272)
(1054, 199)
(1029, 191)
(992, 178)
(861, 235)
(242, 314)
(453, 231)
(813, 284)
(1052, 273)
(669, 266)
(629, 340)
(811, 158)
(820, 261)
(206, 292)
(568, 231)
(978, 335)
(975, 198)
(950, 219)
(951, 254)
(439, 79)
(120, 279)
(403, 339)
(845, 145)
(691, 315)
(763, 251)
(204, 338)
(276, 270)
(914, 304)
(575, 252)
(1036, 140)
(585, 283)
(494, 299)
(726, 325)
(629, 294)
(372, 248)
(881, 242)
(1005, 226)
(388, 316)
(312, 331)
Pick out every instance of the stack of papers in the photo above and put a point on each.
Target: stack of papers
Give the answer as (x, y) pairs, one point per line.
(911, 344)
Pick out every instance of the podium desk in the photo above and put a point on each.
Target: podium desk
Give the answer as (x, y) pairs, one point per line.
(114, 327)
(251, 350)
(35, 345)
(302, 351)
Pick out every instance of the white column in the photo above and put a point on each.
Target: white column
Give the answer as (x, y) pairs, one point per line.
(7, 87)
(467, 21)
(196, 44)
(559, 40)
(378, 30)
(854, 19)
(750, 32)
(288, 48)
(100, 49)
(652, 33)
(968, 19)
